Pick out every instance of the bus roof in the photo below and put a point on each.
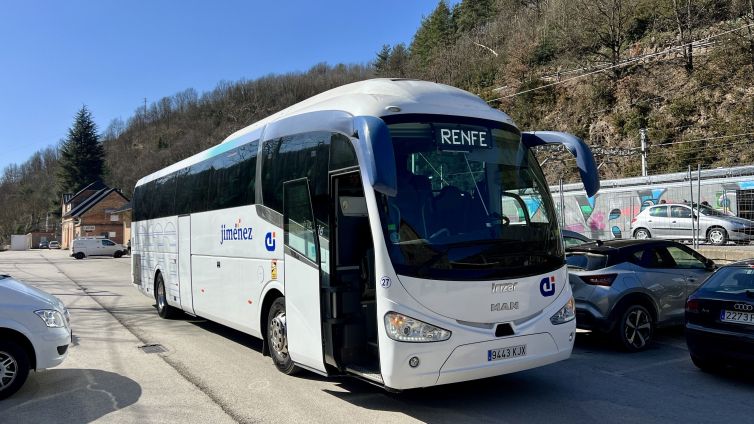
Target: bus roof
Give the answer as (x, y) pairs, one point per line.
(373, 97)
(366, 98)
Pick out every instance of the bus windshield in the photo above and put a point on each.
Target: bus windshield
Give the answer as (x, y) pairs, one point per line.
(472, 204)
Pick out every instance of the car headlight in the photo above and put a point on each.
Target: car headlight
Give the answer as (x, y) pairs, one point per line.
(565, 314)
(406, 329)
(51, 318)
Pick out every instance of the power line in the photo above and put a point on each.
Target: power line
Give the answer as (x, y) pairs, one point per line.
(621, 64)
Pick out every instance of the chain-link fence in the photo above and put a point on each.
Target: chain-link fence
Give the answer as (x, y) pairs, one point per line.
(723, 193)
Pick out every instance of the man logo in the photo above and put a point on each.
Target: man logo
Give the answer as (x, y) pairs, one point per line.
(269, 242)
(547, 286)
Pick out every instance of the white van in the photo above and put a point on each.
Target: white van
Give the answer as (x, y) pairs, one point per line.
(94, 246)
(35, 333)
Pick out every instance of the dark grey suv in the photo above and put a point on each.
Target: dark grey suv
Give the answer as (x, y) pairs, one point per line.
(629, 287)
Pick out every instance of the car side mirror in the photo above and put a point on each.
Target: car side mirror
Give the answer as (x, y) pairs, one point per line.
(710, 265)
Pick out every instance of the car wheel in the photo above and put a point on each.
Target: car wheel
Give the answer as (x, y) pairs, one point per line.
(717, 236)
(277, 338)
(79, 255)
(117, 254)
(635, 328)
(642, 234)
(14, 367)
(163, 309)
(706, 364)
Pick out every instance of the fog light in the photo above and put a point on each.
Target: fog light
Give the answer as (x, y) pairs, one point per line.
(413, 362)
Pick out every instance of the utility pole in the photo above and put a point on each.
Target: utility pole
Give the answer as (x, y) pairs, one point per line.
(643, 135)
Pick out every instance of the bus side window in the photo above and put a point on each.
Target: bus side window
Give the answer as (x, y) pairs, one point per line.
(342, 154)
(290, 158)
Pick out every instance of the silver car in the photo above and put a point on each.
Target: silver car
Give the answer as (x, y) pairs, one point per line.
(673, 222)
(629, 287)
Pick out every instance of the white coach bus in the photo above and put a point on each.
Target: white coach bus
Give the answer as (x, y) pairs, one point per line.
(400, 231)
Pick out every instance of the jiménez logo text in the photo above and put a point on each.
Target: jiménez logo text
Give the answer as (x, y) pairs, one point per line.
(236, 233)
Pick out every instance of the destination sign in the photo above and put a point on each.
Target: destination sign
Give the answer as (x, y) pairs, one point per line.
(462, 137)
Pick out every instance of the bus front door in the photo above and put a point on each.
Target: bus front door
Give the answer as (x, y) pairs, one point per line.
(302, 277)
(350, 305)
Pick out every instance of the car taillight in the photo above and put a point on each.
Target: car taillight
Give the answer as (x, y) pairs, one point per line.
(633, 220)
(692, 305)
(599, 280)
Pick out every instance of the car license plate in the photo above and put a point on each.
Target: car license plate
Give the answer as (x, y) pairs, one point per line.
(506, 352)
(737, 317)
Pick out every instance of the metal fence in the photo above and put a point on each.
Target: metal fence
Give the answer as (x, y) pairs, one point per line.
(609, 213)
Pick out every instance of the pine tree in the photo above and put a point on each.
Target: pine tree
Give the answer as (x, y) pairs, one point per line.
(381, 63)
(82, 157)
(470, 14)
(436, 31)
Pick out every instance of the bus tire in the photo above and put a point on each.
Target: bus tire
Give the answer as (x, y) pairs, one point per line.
(79, 255)
(15, 368)
(160, 296)
(277, 338)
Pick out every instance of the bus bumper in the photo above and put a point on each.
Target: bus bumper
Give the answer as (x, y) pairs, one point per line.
(470, 358)
(471, 362)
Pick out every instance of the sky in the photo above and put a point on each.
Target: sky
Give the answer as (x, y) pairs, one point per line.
(56, 56)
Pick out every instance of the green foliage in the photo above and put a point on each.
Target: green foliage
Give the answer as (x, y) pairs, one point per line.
(82, 157)
(470, 14)
(435, 32)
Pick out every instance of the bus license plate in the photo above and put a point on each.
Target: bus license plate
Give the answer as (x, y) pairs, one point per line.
(737, 317)
(506, 352)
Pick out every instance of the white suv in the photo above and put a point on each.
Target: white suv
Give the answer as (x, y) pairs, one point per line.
(34, 333)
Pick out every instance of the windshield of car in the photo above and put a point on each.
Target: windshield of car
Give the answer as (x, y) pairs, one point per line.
(731, 279)
(472, 203)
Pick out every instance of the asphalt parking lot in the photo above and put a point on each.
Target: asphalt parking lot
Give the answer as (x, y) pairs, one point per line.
(210, 373)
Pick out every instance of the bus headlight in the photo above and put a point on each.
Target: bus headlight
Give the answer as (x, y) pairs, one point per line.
(565, 314)
(406, 329)
(51, 318)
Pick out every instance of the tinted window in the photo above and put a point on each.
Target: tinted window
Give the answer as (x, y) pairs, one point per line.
(293, 157)
(680, 212)
(730, 280)
(342, 154)
(107, 243)
(684, 259)
(300, 231)
(223, 181)
(586, 261)
(659, 211)
(653, 257)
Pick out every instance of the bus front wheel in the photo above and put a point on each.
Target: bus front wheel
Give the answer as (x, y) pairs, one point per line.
(277, 338)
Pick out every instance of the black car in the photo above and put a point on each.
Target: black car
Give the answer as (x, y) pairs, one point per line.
(720, 318)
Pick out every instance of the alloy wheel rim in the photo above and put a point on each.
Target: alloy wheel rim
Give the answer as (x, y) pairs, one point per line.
(716, 236)
(8, 370)
(638, 328)
(160, 295)
(277, 335)
(641, 235)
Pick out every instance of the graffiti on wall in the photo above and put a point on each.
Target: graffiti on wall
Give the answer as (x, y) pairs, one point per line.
(608, 215)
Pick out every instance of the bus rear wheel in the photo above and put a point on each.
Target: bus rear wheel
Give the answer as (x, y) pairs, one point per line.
(163, 309)
(277, 338)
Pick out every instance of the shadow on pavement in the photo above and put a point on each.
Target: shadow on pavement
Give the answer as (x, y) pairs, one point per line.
(73, 396)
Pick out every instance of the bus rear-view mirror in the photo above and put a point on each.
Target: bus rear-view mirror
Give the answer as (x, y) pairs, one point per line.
(375, 151)
(577, 147)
